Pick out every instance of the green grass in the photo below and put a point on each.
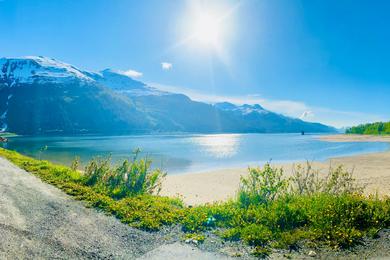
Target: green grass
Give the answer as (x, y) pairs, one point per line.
(269, 211)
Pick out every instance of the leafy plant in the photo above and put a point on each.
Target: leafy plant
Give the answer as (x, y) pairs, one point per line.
(195, 237)
(261, 185)
(256, 235)
(75, 163)
(131, 178)
(306, 181)
(341, 181)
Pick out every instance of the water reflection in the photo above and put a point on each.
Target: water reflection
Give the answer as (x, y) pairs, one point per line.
(219, 145)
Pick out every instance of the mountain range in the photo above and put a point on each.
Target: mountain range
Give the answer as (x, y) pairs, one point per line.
(40, 95)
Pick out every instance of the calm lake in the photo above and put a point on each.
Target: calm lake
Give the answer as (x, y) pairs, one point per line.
(192, 153)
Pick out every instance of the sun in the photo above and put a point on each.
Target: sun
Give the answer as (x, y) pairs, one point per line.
(206, 25)
(207, 29)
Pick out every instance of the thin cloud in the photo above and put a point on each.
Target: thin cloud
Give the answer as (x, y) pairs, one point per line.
(132, 73)
(166, 65)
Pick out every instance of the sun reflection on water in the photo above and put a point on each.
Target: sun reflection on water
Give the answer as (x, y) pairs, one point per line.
(218, 145)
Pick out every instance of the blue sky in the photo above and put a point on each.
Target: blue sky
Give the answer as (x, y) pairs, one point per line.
(325, 61)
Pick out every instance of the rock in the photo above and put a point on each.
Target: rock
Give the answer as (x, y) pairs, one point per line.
(231, 251)
(312, 253)
(191, 241)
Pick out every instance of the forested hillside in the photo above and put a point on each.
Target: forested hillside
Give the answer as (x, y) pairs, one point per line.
(378, 128)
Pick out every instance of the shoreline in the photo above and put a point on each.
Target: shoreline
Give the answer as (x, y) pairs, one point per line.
(370, 169)
(341, 138)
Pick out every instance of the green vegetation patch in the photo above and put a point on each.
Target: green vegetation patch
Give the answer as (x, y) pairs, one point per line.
(270, 211)
(141, 210)
(378, 128)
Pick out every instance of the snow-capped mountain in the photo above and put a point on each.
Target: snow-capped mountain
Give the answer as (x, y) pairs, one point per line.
(120, 82)
(243, 109)
(40, 95)
(32, 69)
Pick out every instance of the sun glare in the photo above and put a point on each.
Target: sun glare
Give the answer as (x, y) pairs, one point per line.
(207, 26)
(207, 29)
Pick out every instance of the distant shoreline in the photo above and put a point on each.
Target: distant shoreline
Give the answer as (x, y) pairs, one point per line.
(355, 138)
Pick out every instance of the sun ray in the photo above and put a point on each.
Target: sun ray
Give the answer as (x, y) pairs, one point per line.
(206, 27)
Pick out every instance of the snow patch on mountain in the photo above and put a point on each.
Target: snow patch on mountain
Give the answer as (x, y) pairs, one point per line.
(38, 69)
(243, 109)
(121, 82)
(32, 69)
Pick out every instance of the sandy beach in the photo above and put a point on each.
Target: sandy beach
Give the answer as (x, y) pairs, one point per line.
(371, 170)
(355, 138)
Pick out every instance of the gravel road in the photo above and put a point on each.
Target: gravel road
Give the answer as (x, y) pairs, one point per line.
(39, 221)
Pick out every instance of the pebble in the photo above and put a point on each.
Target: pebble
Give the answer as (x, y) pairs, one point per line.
(230, 251)
(193, 241)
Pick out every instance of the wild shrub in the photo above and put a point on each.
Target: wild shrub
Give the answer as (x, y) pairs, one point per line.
(307, 181)
(341, 181)
(334, 218)
(75, 164)
(286, 213)
(231, 234)
(261, 185)
(148, 212)
(96, 170)
(132, 177)
(210, 216)
(329, 208)
(290, 239)
(256, 235)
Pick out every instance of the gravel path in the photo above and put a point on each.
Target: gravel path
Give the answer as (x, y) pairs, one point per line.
(39, 221)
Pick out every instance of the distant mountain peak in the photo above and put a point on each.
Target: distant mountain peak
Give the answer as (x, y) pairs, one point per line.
(30, 69)
(225, 106)
(121, 77)
(118, 73)
(121, 82)
(244, 109)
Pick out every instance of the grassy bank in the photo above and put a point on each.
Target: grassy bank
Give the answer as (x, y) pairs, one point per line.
(269, 211)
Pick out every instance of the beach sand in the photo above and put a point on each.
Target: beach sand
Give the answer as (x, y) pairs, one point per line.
(371, 170)
(355, 138)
